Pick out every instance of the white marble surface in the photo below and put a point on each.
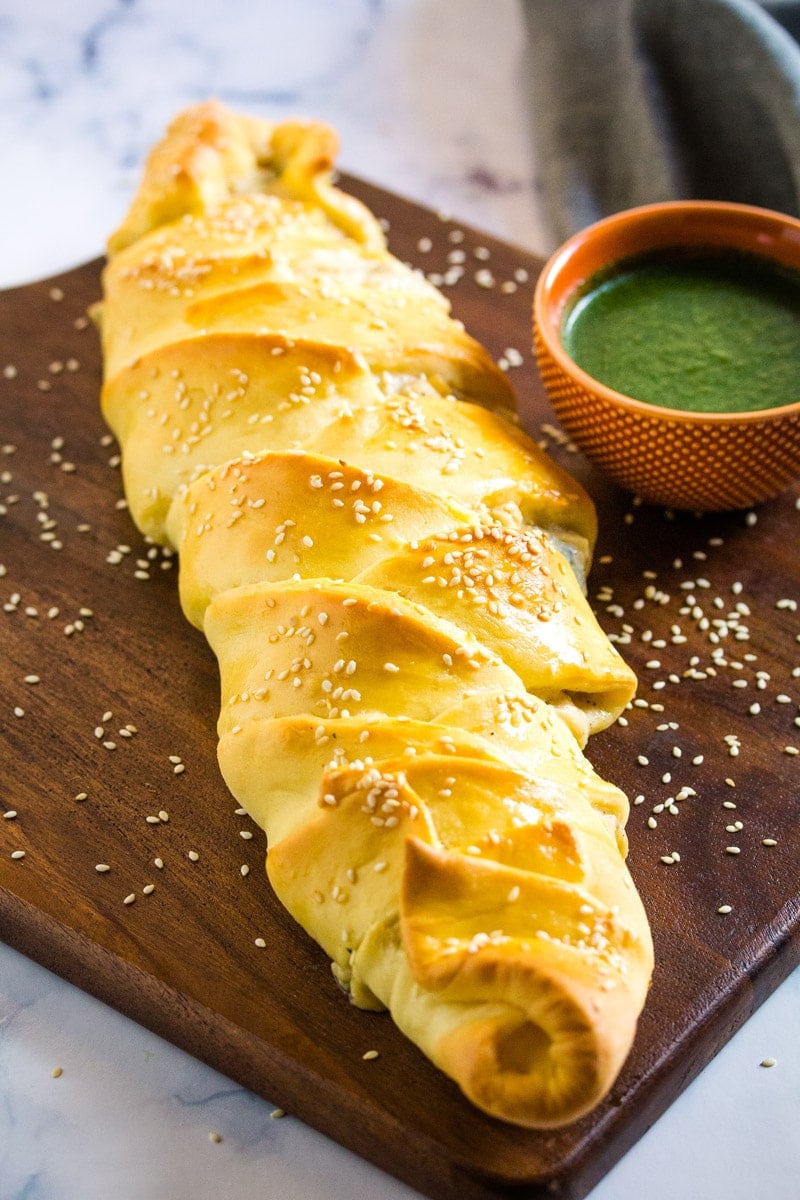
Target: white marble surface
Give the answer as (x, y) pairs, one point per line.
(428, 96)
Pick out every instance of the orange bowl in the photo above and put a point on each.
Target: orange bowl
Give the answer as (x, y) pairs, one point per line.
(673, 457)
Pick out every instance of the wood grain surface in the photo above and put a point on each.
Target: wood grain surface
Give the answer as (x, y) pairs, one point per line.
(705, 609)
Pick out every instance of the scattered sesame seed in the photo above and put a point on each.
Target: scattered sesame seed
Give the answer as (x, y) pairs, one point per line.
(260, 943)
(724, 909)
(101, 868)
(369, 1055)
(214, 1136)
(56, 1072)
(130, 898)
(277, 1113)
(193, 856)
(768, 1062)
(17, 854)
(244, 869)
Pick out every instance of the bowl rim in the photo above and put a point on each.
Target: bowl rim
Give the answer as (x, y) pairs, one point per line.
(642, 215)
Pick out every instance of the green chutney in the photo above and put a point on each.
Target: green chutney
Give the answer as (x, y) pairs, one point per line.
(703, 330)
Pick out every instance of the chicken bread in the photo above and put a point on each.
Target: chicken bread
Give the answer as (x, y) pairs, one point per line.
(389, 572)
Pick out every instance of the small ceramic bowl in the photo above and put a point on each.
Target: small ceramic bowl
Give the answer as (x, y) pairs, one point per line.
(671, 457)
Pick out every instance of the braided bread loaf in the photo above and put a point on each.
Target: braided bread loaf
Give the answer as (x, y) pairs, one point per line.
(388, 571)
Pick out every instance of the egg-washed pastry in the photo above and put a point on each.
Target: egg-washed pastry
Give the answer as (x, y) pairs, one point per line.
(390, 573)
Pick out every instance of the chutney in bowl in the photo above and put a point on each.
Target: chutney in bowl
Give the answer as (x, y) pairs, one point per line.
(668, 340)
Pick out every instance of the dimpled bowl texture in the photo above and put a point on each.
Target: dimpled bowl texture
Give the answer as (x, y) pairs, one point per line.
(699, 461)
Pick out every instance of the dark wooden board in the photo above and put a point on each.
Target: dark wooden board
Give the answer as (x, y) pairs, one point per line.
(183, 960)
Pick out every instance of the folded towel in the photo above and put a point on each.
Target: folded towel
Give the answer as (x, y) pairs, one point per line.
(635, 101)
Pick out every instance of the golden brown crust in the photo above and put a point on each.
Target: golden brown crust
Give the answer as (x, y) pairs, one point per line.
(374, 550)
(210, 154)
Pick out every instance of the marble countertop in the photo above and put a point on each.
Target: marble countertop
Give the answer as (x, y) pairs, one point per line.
(429, 99)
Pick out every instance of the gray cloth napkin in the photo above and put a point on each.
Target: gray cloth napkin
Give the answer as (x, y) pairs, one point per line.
(635, 101)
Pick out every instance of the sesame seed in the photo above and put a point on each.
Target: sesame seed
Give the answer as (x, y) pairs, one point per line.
(733, 850)
(148, 889)
(193, 856)
(17, 854)
(130, 898)
(768, 1062)
(369, 1055)
(244, 869)
(277, 1113)
(768, 842)
(724, 909)
(56, 1072)
(10, 814)
(101, 868)
(246, 834)
(214, 1136)
(260, 943)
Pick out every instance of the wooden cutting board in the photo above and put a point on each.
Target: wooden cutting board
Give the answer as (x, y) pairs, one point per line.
(123, 714)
